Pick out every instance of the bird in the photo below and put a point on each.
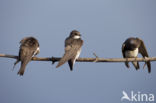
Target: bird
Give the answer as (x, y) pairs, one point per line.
(29, 47)
(73, 45)
(131, 48)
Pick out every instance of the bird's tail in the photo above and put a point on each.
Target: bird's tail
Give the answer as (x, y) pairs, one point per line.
(63, 60)
(148, 66)
(71, 64)
(23, 66)
(136, 65)
(127, 64)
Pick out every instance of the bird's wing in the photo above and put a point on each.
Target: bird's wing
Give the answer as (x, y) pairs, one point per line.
(26, 53)
(123, 53)
(70, 51)
(25, 56)
(143, 51)
(123, 49)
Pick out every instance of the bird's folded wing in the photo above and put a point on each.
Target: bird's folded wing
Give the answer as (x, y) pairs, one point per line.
(70, 51)
(144, 53)
(123, 50)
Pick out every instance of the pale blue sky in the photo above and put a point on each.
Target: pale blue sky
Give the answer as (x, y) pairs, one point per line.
(104, 25)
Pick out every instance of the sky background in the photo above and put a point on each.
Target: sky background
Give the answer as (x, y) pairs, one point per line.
(104, 25)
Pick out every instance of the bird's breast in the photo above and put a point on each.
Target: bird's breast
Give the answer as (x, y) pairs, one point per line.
(131, 53)
(78, 53)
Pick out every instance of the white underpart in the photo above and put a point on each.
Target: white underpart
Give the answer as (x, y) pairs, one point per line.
(37, 50)
(76, 37)
(132, 54)
(77, 55)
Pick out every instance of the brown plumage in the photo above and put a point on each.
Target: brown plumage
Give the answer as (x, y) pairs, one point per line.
(72, 49)
(29, 47)
(130, 49)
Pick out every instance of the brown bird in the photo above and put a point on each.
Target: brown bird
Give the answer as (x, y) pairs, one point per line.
(29, 47)
(130, 49)
(73, 46)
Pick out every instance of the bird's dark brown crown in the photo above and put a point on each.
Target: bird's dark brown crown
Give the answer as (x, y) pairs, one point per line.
(132, 43)
(75, 33)
(30, 41)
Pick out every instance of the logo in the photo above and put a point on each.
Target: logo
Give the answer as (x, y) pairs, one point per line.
(137, 97)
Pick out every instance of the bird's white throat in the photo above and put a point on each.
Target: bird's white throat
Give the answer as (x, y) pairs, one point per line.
(76, 37)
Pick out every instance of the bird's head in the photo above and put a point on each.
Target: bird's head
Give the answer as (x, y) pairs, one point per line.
(75, 34)
(133, 43)
(30, 42)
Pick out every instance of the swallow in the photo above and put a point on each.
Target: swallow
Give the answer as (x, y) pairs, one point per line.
(73, 45)
(130, 49)
(29, 47)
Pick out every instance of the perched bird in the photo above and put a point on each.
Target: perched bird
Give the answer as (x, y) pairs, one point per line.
(29, 47)
(73, 45)
(130, 49)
